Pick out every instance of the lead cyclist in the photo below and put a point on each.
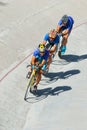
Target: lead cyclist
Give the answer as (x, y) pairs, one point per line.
(39, 61)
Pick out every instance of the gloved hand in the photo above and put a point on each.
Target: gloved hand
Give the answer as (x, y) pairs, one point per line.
(33, 66)
(37, 67)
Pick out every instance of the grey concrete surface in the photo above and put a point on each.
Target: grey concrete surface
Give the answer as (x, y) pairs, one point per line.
(63, 104)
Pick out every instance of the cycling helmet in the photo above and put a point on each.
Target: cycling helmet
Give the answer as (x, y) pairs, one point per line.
(41, 47)
(52, 33)
(64, 19)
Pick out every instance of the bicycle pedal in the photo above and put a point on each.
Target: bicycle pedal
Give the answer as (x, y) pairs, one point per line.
(33, 91)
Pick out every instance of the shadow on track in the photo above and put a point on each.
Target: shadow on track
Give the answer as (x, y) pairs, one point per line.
(74, 58)
(66, 59)
(59, 75)
(54, 91)
(44, 93)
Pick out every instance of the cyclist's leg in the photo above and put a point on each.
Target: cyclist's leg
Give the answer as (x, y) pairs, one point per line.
(62, 48)
(65, 39)
(44, 68)
(63, 43)
(49, 61)
(38, 79)
(54, 50)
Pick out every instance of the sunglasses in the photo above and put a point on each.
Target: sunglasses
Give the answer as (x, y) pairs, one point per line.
(42, 52)
(52, 38)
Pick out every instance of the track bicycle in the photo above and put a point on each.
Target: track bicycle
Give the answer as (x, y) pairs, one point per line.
(31, 82)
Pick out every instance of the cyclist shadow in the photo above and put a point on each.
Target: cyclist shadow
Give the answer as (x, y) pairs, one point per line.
(71, 58)
(52, 77)
(74, 58)
(52, 92)
(41, 94)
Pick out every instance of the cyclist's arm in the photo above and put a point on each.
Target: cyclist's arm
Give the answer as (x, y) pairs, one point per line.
(33, 60)
(42, 63)
(66, 31)
(69, 27)
(44, 42)
(46, 38)
(53, 49)
(59, 25)
(58, 28)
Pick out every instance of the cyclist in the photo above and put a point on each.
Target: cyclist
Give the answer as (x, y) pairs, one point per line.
(51, 40)
(64, 27)
(39, 61)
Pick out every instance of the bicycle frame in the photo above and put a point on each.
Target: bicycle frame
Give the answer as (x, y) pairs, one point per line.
(32, 78)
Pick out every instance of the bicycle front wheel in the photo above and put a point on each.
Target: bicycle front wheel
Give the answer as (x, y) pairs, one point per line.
(30, 84)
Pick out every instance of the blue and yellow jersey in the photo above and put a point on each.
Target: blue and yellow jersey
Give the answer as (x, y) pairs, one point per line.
(39, 57)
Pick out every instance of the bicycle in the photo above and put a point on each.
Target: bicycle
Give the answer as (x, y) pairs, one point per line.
(31, 82)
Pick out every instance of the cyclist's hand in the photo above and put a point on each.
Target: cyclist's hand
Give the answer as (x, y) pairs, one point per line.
(37, 67)
(33, 66)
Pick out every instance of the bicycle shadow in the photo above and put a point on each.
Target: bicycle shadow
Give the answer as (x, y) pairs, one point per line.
(53, 92)
(74, 58)
(52, 77)
(44, 93)
(71, 58)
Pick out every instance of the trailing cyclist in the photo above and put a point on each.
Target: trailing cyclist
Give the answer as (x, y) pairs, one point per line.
(64, 28)
(39, 61)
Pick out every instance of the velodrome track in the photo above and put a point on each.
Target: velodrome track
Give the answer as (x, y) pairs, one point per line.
(63, 103)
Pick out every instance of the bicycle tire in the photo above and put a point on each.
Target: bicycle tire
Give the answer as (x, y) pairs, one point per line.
(30, 84)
